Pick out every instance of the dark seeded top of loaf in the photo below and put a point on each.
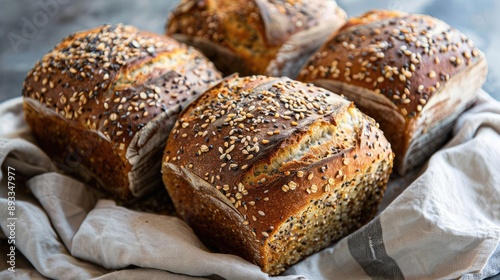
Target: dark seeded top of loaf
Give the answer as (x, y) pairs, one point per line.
(247, 122)
(114, 79)
(405, 57)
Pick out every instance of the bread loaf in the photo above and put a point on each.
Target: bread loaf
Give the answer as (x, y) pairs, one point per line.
(272, 37)
(413, 73)
(273, 170)
(103, 101)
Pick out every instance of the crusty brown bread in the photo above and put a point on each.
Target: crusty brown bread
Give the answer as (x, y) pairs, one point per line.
(103, 101)
(413, 73)
(272, 37)
(273, 170)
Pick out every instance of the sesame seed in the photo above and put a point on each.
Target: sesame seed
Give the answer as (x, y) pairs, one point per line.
(406, 73)
(62, 99)
(101, 46)
(261, 213)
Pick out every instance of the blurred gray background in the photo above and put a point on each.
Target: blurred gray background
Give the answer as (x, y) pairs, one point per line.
(30, 28)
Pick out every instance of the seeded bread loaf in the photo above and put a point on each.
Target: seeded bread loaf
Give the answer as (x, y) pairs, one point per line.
(103, 101)
(273, 170)
(413, 73)
(272, 37)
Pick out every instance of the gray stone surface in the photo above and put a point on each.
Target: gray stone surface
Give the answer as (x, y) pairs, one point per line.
(35, 26)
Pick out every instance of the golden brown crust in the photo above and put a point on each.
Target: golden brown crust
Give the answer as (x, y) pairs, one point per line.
(402, 58)
(252, 153)
(252, 32)
(371, 16)
(102, 86)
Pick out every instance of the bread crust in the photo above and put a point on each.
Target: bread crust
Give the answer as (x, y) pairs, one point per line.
(392, 65)
(258, 36)
(102, 102)
(254, 155)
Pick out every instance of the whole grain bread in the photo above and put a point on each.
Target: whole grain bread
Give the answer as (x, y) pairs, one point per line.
(271, 37)
(414, 74)
(103, 101)
(273, 170)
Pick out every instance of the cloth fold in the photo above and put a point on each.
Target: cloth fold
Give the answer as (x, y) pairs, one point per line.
(156, 241)
(442, 221)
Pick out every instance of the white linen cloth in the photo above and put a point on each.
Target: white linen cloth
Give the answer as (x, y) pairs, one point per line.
(440, 222)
